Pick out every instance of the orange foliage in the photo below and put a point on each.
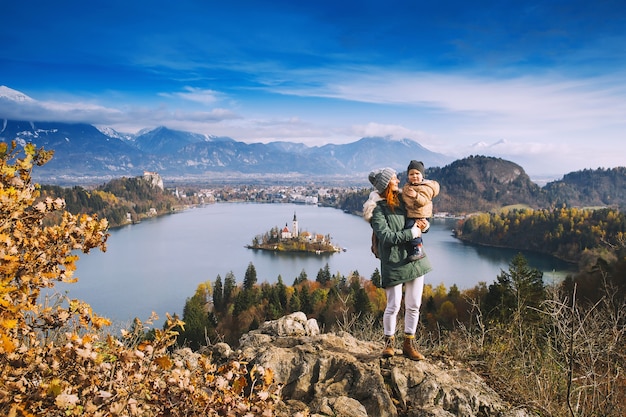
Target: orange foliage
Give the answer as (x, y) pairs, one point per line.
(55, 360)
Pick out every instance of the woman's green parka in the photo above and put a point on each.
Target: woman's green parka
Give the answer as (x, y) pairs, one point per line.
(393, 243)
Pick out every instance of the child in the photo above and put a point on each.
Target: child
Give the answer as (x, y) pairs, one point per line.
(418, 194)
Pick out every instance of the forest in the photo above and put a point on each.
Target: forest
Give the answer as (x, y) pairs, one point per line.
(120, 201)
(567, 233)
(534, 342)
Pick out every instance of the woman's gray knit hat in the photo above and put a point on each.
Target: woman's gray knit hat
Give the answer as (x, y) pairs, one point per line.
(380, 178)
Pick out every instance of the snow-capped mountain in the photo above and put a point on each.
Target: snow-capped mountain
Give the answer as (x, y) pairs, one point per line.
(7, 93)
(82, 150)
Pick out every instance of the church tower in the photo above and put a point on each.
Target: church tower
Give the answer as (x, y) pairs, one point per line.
(294, 229)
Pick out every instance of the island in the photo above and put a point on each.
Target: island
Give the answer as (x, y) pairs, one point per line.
(294, 240)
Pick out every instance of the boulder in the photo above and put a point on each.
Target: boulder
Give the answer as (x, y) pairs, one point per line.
(335, 374)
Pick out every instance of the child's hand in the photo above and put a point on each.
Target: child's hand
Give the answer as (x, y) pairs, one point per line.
(423, 224)
(411, 192)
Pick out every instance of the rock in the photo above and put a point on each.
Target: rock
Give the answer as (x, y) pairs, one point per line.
(335, 374)
(222, 350)
(295, 324)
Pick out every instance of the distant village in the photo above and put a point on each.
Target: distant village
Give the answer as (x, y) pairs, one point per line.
(313, 195)
(294, 240)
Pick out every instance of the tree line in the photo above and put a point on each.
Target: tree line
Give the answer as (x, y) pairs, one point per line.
(120, 201)
(569, 233)
(550, 346)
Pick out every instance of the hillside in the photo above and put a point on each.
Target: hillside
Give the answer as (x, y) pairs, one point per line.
(481, 183)
(601, 187)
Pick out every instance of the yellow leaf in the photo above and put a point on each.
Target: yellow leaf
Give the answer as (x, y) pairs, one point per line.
(163, 362)
(55, 387)
(142, 346)
(239, 384)
(268, 378)
(8, 324)
(7, 344)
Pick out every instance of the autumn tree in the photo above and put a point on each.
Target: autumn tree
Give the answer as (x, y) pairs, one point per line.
(55, 359)
(197, 315)
(34, 256)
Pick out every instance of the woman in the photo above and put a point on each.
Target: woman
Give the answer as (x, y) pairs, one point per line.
(386, 214)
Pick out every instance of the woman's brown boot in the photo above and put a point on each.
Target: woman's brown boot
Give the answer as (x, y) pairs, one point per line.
(390, 347)
(409, 348)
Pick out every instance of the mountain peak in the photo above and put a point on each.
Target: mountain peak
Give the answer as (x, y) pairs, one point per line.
(14, 95)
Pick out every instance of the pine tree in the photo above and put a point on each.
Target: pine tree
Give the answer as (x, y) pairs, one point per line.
(229, 287)
(198, 327)
(218, 294)
(518, 290)
(300, 278)
(282, 293)
(295, 304)
(249, 279)
(376, 278)
(323, 275)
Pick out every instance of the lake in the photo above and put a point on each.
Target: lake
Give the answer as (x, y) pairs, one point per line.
(157, 264)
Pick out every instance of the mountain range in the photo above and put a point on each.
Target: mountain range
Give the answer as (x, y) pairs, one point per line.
(85, 151)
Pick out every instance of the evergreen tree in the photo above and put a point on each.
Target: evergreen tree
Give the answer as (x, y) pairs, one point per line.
(218, 294)
(249, 279)
(454, 292)
(301, 278)
(281, 290)
(430, 305)
(520, 290)
(295, 304)
(196, 318)
(229, 288)
(305, 300)
(361, 300)
(323, 275)
(376, 278)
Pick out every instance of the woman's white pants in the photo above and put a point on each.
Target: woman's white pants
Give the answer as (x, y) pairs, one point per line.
(412, 301)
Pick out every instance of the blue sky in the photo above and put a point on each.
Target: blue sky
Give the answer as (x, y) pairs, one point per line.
(540, 83)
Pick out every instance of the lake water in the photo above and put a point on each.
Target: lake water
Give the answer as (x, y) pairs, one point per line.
(157, 264)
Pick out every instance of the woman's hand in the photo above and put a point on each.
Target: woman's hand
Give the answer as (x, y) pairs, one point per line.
(416, 231)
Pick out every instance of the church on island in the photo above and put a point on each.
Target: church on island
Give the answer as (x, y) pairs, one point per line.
(293, 240)
(288, 234)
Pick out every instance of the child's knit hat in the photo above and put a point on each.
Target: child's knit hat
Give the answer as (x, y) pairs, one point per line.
(418, 165)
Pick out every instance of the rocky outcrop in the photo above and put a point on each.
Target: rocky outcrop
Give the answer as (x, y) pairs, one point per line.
(334, 374)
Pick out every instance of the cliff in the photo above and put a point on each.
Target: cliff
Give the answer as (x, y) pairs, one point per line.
(335, 374)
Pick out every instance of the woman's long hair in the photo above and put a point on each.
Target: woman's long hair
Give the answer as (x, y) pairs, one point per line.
(391, 197)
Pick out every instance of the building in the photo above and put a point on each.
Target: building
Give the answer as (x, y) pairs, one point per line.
(294, 232)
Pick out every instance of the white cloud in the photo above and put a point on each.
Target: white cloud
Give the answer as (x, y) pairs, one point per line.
(196, 95)
(384, 130)
(497, 107)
